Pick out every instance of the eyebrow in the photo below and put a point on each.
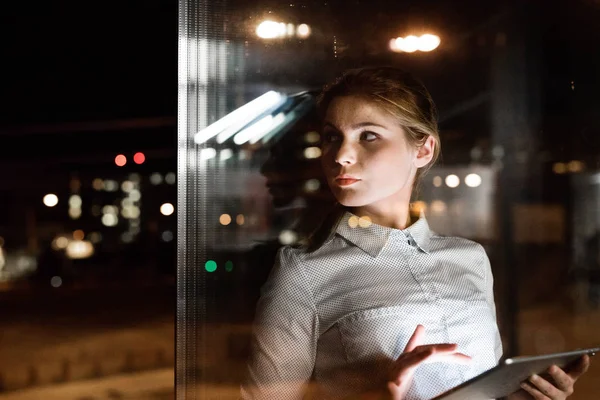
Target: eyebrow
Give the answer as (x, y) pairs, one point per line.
(356, 126)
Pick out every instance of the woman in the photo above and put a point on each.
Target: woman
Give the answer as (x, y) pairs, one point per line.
(376, 295)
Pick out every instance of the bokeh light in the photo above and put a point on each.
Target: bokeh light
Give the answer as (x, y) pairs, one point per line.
(210, 266)
(473, 180)
(50, 200)
(139, 158)
(120, 160)
(167, 209)
(452, 181)
(56, 281)
(225, 219)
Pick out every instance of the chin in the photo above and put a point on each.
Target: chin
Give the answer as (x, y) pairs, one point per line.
(350, 201)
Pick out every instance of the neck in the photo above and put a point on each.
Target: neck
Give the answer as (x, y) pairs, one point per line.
(397, 218)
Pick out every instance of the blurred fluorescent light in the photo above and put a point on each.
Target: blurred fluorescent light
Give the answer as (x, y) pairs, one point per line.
(237, 119)
(225, 154)
(207, 154)
(259, 129)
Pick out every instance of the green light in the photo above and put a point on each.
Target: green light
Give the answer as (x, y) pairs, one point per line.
(229, 266)
(210, 266)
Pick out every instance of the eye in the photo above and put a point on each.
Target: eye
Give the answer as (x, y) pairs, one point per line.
(369, 136)
(329, 137)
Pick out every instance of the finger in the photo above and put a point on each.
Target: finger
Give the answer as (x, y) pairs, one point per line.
(416, 338)
(454, 358)
(437, 347)
(561, 379)
(545, 387)
(580, 368)
(536, 394)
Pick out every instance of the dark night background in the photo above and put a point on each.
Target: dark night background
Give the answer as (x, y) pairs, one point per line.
(82, 82)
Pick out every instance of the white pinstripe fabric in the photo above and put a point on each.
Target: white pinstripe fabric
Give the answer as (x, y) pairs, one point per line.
(344, 312)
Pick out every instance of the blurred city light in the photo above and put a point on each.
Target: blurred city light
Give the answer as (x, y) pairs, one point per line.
(452, 181)
(75, 201)
(559, 168)
(170, 178)
(277, 30)
(135, 195)
(225, 219)
(110, 220)
(365, 221)
(438, 206)
(111, 185)
(239, 219)
(353, 221)
(303, 31)
(139, 158)
(312, 137)
(167, 236)
(50, 200)
(78, 249)
(60, 243)
(270, 30)
(312, 152)
(312, 185)
(95, 237)
(167, 209)
(74, 213)
(240, 117)
(412, 43)
(210, 266)
(287, 237)
(98, 184)
(437, 181)
(78, 234)
(473, 180)
(417, 207)
(575, 166)
(156, 178)
(120, 160)
(56, 281)
(127, 186)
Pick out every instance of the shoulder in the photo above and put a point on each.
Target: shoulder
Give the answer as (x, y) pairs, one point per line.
(456, 242)
(460, 248)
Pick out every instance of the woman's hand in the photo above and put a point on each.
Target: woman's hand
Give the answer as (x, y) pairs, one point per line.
(539, 388)
(414, 354)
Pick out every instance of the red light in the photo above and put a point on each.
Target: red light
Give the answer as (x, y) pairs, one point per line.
(139, 158)
(120, 160)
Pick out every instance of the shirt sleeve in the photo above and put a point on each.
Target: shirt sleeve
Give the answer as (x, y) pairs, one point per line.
(489, 295)
(285, 332)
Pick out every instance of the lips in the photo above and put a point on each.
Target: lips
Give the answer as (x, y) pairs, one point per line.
(346, 180)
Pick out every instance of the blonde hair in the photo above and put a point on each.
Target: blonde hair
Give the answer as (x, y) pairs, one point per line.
(397, 92)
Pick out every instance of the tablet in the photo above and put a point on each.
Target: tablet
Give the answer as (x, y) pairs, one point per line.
(505, 378)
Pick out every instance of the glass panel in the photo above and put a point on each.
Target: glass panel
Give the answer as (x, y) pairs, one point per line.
(513, 85)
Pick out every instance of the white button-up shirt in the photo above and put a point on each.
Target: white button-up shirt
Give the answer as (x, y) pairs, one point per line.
(340, 315)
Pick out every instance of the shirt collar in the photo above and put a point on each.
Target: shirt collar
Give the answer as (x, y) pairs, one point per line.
(371, 238)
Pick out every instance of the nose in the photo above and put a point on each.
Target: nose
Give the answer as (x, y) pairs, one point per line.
(346, 154)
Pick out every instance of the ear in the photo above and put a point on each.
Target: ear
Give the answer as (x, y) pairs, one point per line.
(425, 152)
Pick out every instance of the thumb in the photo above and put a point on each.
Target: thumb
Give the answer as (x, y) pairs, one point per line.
(416, 339)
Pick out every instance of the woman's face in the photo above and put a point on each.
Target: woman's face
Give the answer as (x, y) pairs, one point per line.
(365, 156)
